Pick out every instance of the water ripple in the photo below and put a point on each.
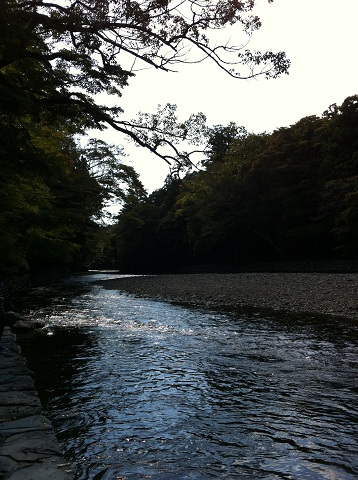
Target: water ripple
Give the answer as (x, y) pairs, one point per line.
(139, 389)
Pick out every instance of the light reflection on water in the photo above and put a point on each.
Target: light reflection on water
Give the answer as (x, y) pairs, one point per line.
(140, 389)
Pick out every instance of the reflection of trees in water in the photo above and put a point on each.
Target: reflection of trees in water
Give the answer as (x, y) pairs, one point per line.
(40, 300)
(51, 349)
(52, 354)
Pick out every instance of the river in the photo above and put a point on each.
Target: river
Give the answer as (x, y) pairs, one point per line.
(140, 389)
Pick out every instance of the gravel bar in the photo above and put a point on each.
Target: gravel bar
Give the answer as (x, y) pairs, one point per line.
(320, 293)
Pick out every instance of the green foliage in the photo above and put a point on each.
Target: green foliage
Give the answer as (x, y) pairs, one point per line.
(290, 195)
(53, 191)
(149, 235)
(56, 57)
(117, 180)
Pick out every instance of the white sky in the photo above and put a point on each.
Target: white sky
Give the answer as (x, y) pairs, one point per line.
(320, 37)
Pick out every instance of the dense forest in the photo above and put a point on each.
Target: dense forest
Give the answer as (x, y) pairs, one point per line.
(288, 195)
(291, 195)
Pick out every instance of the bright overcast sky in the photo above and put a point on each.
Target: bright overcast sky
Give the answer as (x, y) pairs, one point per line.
(320, 37)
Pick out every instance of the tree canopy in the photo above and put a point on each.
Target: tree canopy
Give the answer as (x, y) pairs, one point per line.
(56, 57)
(59, 60)
(287, 196)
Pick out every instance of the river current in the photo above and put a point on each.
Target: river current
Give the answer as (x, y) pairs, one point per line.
(140, 389)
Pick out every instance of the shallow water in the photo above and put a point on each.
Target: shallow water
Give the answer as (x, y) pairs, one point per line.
(141, 389)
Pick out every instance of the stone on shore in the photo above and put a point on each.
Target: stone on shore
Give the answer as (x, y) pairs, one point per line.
(315, 292)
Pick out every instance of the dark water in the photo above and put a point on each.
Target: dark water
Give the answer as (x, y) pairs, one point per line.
(140, 389)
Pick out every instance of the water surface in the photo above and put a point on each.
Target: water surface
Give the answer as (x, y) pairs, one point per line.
(141, 389)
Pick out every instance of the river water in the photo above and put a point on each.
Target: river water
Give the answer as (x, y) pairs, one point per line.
(141, 389)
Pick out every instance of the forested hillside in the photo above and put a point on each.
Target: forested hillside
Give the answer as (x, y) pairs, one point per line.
(287, 196)
(53, 194)
(58, 61)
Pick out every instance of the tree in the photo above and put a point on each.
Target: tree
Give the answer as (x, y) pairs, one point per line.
(149, 236)
(220, 141)
(118, 181)
(215, 202)
(339, 169)
(55, 57)
(51, 198)
(35, 172)
(290, 195)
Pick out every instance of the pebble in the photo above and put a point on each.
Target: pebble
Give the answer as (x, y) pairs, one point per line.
(316, 293)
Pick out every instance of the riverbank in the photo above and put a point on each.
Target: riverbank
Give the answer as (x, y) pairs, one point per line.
(320, 293)
(28, 446)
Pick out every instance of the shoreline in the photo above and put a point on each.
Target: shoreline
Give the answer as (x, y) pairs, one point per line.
(334, 294)
(29, 448)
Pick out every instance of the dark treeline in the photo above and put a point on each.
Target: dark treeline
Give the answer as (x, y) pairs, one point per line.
(287, 196)
(53, 194)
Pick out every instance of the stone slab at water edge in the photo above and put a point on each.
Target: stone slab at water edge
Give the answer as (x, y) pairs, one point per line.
(29, 449)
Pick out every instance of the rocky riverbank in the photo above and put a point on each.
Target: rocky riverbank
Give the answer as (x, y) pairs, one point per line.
(28, 446)
(321, 293)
